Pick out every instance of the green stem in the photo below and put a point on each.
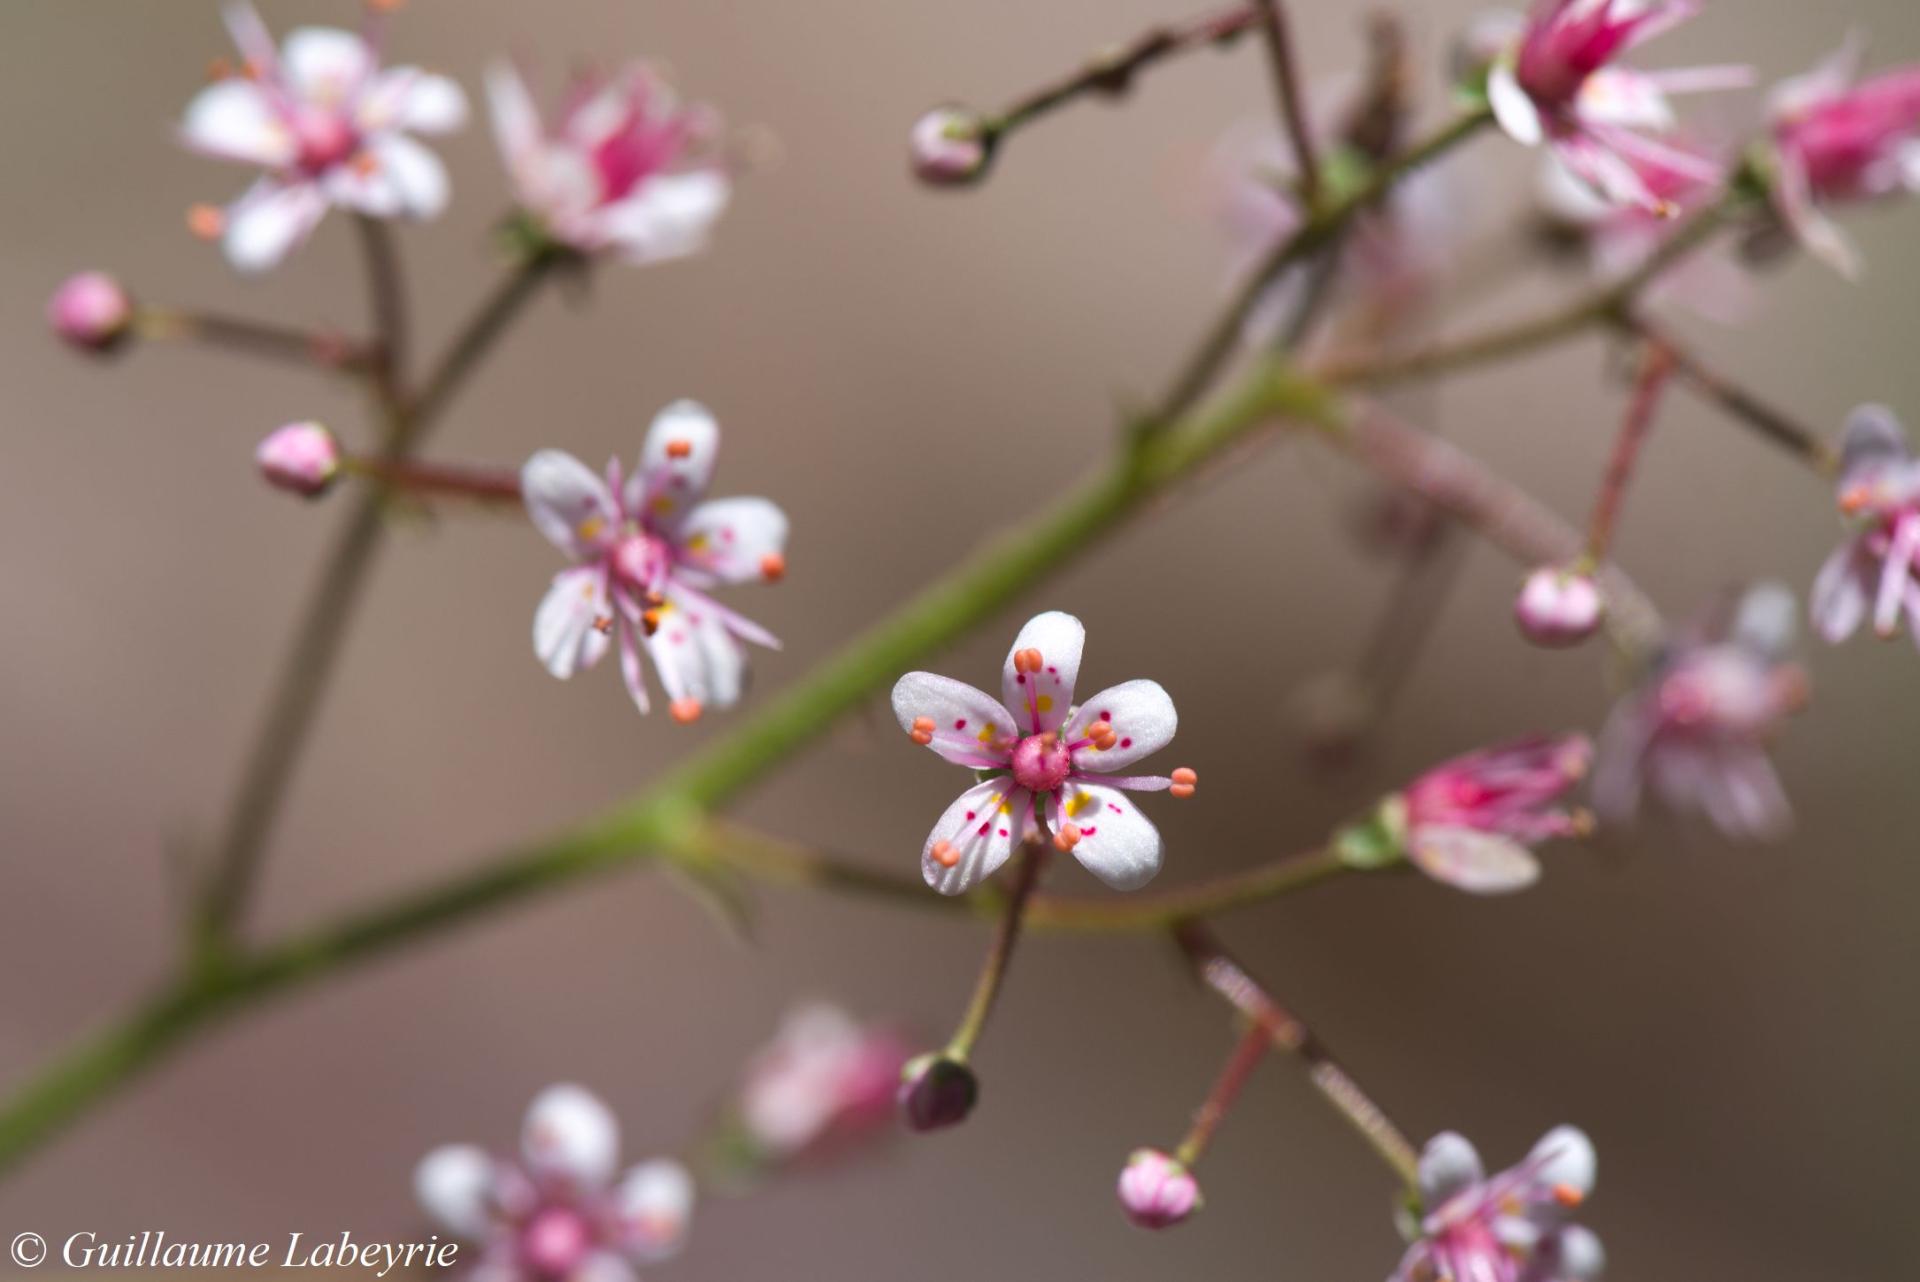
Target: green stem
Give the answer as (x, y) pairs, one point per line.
(993, 974)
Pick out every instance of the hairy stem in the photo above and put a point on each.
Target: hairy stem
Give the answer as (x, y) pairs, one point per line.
(1225, 976)
(1247, 1054)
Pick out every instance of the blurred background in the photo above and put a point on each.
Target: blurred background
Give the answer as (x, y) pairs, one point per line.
(1735, 1027)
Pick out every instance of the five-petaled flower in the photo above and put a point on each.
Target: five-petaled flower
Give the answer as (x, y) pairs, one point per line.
(1555, 82)
(1835, 141)
(615, 173)
(559, 1213)
(1874, 570)
(1510, 1228)
(649, 548)
(1048, 752)
(1470, 821)
(1698, 725)
(328, 125)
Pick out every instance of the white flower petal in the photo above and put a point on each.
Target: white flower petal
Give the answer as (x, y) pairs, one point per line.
(696, 656)
(1872, 439)
(454, 1184)
(1513, 108)
(733, 538)
(1565, 1157)
(264, 225)
(983, 825)
(516, 125)
(251, 37)
(1143, 720)
(655, 1204)
(1481, 863)
(1118, 844)
(567, 628)
(601, 1266)
(412, 99)
(1448, 1164)
(631, 675)
(1841, 591)
(236, 120)
(667, 216)
(569, 1135)
(325, 66)
(392, 177)
(970, 728)
(1765, 621)
(1577, 1255)
(1059, 638)
(676, 462)
(569, 502)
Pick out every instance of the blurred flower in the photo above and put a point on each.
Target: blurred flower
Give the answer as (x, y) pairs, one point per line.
(559, 1212)
(1619, 239)
(1697, 727)
(648, 550)
(301, 457)
(1880, 487)
(1555, 83)
(936, 1091)
(1558, 606)
(1470, 821)
(824, 1082)
(949, 147)
(1157, 1192)
(615, 172)
(328, 125)
(1837, 142)
(91, 311)
(1510, 1228)
(1060, 757)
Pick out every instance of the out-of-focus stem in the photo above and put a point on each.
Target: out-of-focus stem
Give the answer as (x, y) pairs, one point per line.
(1286, 87)
(1656, 364)
(477, 337)
(1112, 72)
(437, 479)
(1006, 936)
(1773, 423)
(1290, 1033)
(1247, 1054)
(315, 348)
(388, 291)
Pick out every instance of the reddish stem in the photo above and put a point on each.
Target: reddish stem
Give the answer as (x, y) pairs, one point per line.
(1239, 1066)
(488, 485)
(1656, 366)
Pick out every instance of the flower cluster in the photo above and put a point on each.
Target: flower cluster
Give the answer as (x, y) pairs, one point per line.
(1512, 1227)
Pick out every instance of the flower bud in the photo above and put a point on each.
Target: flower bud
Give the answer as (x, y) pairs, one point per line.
(951, 147)
(1156, 1191)
(301, 457)
(91, 311)
(936, 1091)
(1558, 607)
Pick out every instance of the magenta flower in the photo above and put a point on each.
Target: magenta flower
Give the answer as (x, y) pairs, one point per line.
(1510, 1228)
(1838, 142)
(824, 1083)
(1874, 569)
(1698, 726)
(328, 125)
(1156, 1191)
(1470, 821)
(1051, 751)
(559, 1212)
(1556, 82)
(648, 550)
(615, 172)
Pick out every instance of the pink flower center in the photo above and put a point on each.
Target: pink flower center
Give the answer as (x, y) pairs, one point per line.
(555, 1241)
(642, 560)
(324, 139)
(1041, 763)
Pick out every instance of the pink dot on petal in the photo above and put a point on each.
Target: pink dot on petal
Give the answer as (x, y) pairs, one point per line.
(1020, 679)
(1003, 832)
(986, 827)
(971, 816)
(1088, 832)
(1106, 716)
(961, 724)
(1126, 743)
(1116, 810)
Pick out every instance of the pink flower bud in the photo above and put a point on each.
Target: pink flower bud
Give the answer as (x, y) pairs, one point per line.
(936, 1091)
(91, 311)
(1157, 1192)
(301, 457)
(950, 147)
(1558, 607)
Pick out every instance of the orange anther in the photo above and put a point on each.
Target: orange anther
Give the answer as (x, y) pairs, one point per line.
(945, 854)
(1067, 838)
(604, 625)
(1568, 1196)
(922, 737)
(1855, 498)
(922, 731)
(773, 567)
(679, 449)
(219, 69)
(923, 723)
(364, 163)
(650, 621)
(1027, 660)
(1184, 782)
(208, 222)
(685, 711)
